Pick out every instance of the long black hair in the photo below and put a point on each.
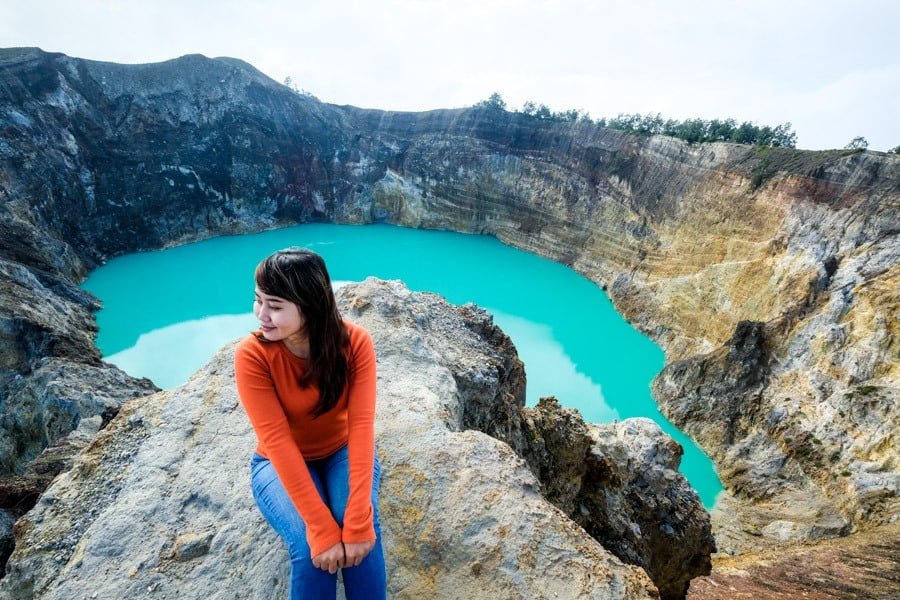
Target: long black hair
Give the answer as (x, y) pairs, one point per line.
(299, 275)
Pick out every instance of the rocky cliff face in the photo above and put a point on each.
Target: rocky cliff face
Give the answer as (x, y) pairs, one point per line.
(160, 501)
(769, 276)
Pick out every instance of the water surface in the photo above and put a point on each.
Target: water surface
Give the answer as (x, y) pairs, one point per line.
(167, 312)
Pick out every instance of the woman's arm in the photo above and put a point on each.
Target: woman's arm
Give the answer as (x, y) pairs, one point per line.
(257, 393)
(358, 516)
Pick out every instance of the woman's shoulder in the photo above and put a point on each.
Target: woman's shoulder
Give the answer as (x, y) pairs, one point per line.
(361, 350)
(251, 346)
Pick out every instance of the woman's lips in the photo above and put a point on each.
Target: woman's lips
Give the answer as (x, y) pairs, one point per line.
(265, 328)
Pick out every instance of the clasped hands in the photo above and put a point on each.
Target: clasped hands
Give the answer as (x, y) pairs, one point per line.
(342, 555)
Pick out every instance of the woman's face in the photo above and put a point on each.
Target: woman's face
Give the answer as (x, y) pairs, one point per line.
(279, 319)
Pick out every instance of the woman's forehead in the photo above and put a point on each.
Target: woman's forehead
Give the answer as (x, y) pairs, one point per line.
(268, 297)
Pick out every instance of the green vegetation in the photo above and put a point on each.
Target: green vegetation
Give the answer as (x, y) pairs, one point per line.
(701, 130)
(895, 150)
(542, 111)
(857, 143)
(762, 171)
(690, 130)
(803, 450)
(494, 102)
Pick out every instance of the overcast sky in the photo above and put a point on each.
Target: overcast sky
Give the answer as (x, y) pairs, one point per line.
(831, 68)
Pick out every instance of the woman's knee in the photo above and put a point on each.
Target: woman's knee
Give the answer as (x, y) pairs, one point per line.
(300, 555)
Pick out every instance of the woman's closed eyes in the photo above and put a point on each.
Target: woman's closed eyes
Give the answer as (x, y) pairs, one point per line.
(271, 307)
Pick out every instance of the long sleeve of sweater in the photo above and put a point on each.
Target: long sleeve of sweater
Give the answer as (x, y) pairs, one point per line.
(279, 411)
(257, 392)
(358, 518)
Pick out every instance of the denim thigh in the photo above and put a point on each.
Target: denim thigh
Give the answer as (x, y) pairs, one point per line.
(331, 478)
(276, 506)
(334, 473)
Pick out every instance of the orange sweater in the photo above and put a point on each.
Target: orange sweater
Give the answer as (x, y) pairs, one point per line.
(267, 382)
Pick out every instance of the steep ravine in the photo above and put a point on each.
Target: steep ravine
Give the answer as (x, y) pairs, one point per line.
(769, 276)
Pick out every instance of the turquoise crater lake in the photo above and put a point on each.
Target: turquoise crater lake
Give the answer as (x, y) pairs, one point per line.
(165, 313)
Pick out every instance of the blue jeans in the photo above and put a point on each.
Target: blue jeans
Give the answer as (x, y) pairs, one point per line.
(331, 476)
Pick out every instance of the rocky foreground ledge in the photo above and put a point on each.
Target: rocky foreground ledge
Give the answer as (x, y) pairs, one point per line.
(158, 505)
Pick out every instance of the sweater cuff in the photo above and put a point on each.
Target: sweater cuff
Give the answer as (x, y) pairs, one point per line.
(321, 544)
(357, 536)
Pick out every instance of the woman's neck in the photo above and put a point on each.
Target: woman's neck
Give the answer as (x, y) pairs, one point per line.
(299, 345)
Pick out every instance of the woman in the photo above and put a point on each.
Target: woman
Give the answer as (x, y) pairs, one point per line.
(307, 379)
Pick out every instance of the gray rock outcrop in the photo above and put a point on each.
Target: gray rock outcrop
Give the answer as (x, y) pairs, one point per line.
(159, 503)
(51, 374)
(619, 481)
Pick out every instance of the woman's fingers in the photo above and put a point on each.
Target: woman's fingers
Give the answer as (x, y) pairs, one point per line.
(343, 555)
(331, 560)
(357, 552)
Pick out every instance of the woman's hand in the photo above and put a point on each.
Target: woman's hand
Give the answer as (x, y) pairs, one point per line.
(331, 560)
(355, 553)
